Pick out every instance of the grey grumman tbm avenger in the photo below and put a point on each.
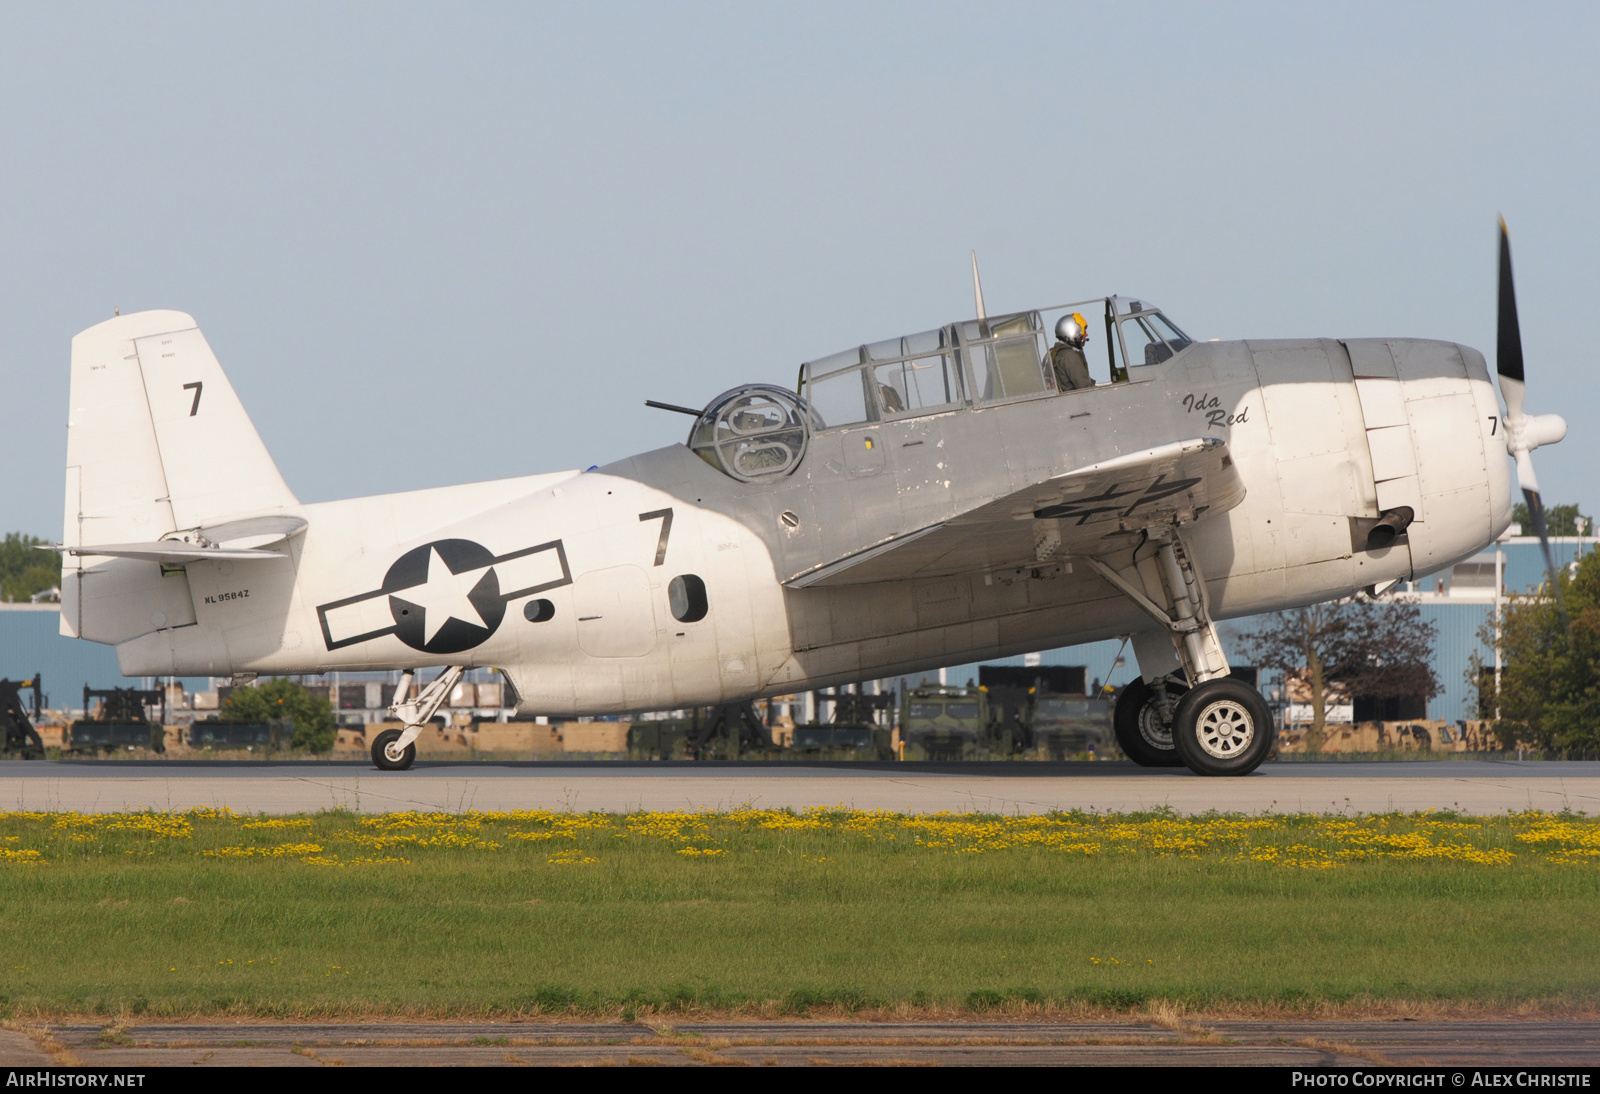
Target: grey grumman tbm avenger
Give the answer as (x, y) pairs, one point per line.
(963, 493)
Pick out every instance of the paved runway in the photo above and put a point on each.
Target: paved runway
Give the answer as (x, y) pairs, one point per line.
(1477, 787)
(1495, 1043)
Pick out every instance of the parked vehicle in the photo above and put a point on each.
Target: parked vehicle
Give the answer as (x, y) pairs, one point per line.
(22, 741)
(213, 735)
(118, 719)
(944, 723)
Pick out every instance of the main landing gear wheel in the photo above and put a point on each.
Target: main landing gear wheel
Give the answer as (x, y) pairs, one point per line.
(383, 744)
(1223, 727)
(1142, 733)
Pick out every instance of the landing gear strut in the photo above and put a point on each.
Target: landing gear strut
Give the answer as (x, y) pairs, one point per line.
(1187, 710)
(396, 749)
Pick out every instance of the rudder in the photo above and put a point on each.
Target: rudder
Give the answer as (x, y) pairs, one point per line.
(215, 464)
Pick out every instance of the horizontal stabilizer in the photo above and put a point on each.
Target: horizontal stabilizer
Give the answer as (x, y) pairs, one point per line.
(1084, 512)
(239, 539)
(173, 551)
(250, 532)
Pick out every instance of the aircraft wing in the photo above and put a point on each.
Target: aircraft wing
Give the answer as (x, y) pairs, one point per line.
(1072, 514)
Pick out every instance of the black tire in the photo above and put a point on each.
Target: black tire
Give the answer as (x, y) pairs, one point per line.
(1140, 732)
(1223, 727)
(382, 761)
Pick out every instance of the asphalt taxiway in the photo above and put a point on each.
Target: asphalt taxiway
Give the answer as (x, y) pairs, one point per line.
(1197, 1041)
(1474, 787)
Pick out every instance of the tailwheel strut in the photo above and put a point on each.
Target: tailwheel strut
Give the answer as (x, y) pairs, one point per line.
(396, 749)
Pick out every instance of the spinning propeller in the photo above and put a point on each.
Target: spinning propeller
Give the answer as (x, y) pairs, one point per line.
(1524, 432)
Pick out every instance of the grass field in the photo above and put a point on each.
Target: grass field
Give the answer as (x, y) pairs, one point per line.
(776, 912)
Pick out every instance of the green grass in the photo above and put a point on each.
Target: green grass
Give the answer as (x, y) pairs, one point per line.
(835, 911)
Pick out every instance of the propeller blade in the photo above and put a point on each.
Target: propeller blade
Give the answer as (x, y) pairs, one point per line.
(1508, 343)
(1524, 434)
(1525, 476)
(1511, 392)
(1536, 511)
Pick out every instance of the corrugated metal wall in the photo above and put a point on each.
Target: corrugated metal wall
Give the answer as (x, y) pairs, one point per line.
(1458, 639)
(31, 641)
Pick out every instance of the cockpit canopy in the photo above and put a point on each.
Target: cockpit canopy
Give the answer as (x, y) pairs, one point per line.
(979, 361)
(760, 431)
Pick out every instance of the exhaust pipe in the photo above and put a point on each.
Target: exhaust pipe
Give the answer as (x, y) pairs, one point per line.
(1390, 524)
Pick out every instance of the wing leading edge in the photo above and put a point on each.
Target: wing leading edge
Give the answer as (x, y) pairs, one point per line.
(1083, 512)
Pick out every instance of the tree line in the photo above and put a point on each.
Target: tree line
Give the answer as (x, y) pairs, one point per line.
(24, 569)
(1548, 692)
(283, 699)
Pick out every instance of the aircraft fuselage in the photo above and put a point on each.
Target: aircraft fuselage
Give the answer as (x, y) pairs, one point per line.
(566, 581)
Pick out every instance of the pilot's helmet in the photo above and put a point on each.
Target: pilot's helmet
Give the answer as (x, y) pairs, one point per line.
(1072, 329)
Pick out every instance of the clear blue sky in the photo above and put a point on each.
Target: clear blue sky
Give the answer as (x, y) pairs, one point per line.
(440, 243)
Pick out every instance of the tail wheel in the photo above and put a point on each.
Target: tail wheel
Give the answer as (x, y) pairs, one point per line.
(1144, 735)
(1223, 727)
(382, 746)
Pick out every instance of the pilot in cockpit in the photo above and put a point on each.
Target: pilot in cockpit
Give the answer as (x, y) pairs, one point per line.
(1066, 356)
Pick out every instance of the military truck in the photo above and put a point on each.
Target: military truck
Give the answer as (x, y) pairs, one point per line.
(938, 722)
(660, 739)
(209, 734)
(729, 731)
(1013, 693)
(843, 742)
(1070, 725)
(860, 726)
(1046, 710)
(119, 721)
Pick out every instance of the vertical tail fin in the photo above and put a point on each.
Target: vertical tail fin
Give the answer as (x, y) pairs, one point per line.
(156, 441)
(215, 464)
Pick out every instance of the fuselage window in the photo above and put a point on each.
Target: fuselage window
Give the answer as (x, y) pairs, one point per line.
(1151, 339)
(1005, 358)
(915, 375)
(1174, 337)
(686, 596)
(837, 397)
(538, 611)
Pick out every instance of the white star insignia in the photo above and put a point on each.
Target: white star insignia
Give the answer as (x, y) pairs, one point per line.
(444, 596)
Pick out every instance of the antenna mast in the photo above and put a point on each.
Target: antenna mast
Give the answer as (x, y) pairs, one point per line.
(977, 287)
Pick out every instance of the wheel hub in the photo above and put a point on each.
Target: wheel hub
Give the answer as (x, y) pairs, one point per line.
(1156, 731)
(1224, 728)
(393, 754)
